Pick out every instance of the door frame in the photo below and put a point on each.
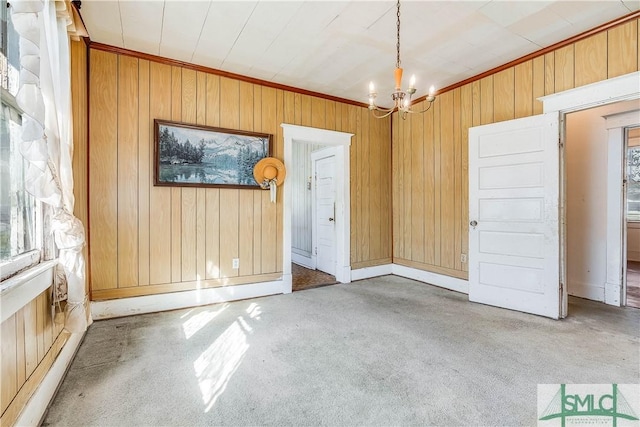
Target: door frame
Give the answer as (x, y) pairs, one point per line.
(315, 156)
(616, 284)
(341, 142)
(622, 88)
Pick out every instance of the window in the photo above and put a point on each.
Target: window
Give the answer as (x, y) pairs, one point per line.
(20, 213)
(633, 179)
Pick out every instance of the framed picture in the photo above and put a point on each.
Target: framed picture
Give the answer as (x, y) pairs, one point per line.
(202, 156)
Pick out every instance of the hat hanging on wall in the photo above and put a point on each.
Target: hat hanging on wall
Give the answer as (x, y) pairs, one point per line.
(269, 173)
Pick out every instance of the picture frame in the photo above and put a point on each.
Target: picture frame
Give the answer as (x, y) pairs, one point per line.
(188, 155)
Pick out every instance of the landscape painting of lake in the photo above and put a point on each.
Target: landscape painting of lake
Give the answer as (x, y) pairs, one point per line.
(190, 155)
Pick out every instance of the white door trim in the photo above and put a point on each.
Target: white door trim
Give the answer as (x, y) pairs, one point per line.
(341, 141)
(608, 91)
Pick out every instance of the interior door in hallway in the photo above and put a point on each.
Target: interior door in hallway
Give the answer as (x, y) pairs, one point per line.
(324, 163)
(514, 213)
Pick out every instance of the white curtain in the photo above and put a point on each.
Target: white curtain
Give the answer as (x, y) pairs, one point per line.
(44, 95)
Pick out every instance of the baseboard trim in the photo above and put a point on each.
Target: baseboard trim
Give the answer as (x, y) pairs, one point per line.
(36, 408)
(440, 280)
(177, 300)
(369, 272)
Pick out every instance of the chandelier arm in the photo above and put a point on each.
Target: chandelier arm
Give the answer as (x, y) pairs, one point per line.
(382, 116)
(423, 111)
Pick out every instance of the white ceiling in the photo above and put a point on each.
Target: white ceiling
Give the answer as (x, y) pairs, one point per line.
(337, 47)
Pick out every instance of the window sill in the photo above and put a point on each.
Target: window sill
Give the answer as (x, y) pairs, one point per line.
(19, 290)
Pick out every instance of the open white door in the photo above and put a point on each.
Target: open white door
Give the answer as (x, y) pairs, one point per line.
(514, 213)
(324, 209)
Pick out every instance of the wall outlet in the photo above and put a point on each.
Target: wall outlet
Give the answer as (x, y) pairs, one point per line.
(463, 258)
(236, 263)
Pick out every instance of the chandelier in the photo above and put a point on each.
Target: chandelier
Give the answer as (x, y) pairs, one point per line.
(401, 99)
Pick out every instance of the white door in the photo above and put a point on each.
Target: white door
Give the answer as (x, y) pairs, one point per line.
(514, 213)
(324, 218)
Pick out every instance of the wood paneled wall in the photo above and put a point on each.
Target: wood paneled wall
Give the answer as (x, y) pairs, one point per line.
(30, 343)
(146, 239)
(430, 152)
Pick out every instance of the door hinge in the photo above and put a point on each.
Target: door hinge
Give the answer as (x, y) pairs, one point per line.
(561, 287)
(560, 144)
(316, 250)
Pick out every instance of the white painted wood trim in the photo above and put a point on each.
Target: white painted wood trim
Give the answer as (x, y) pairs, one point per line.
(440, 280)
(33, 412)
(177, 300)
(369, 272)
(621, 120)
(19, 290)
(589, 291)
(341, 141)
(615, 215)
(305, 261)
(604, 92)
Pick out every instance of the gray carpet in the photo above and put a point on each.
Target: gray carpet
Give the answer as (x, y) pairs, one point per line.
(384, 351)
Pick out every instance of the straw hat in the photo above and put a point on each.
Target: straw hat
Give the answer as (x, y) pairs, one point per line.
(268, 169)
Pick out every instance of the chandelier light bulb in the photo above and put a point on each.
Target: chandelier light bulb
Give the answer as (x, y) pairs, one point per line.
(432, 90)
(412, 82)
(372, 88)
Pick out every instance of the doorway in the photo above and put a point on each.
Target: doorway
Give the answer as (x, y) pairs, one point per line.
(595, 221)
(488, 171)
(340, 141)
(632, 208)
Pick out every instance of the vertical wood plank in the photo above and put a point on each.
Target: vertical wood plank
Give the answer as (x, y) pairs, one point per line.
(447, 246)
(486, 100)
(30, 337)
(504, 95)
(457, 180)
(188, 235)
(437, 183)
(386, 171)
(176, 192)
(622, 49)
(228, 231)
(145, 154)
(279, 153)
(523, 89)
(429, 187)
(466, 118)
(330, 108)
(564, 68)
(189, 197)
(591, 59)
(201, 197)
(365, 162)
(9, 383)
(318, 113)
(41, 312)
(416, 123)
(269, 210)
(127, 141)
(246, 227)
(103, 169)
(212, 195)
(159, 197)
(549, 73)
(305, 110)
(538, 83)
(395, 184)
(212, 240)
(257, 232)
(378, 176)
(20, 350)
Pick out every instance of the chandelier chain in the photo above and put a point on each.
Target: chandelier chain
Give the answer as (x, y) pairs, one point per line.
(398, 36)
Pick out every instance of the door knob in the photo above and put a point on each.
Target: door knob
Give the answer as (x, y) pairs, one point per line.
(473, 223)
(331, 219)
